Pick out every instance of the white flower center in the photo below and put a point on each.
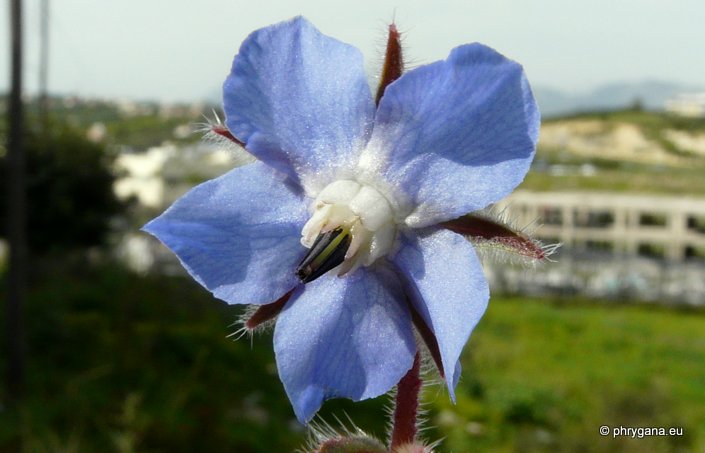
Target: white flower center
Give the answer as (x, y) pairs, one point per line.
(360, 209)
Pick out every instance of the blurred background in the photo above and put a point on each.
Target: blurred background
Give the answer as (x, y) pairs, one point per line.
(109, 347)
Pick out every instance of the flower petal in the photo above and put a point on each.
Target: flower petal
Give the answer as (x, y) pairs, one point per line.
(237, 235)
(343, 337)
(300, 101)
(444, 280)
(455, 135)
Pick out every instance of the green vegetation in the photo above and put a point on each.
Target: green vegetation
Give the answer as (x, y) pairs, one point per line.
(70, 198)
(144, 131)
(625, 178)
(125, 363)
(541, 376)
(642, 118)
(137, 125)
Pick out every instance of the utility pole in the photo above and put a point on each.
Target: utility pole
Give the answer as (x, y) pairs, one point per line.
(44, 66)
(16, 218)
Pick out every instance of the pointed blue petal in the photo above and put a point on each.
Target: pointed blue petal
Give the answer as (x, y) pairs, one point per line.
(237, 235)
(457, 134)
(444, 280)
(300, 101)
(343, 337)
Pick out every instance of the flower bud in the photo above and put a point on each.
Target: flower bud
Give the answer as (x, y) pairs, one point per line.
(356, 444)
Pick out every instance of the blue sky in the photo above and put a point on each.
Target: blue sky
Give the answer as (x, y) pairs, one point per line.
(182, 49)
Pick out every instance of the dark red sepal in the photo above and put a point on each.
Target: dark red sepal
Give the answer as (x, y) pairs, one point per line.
(429, 339)
(494, 232)
(224, 132)
(267, 312)
(393, 62)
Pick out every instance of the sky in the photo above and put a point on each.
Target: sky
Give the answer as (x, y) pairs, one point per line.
(181, 50)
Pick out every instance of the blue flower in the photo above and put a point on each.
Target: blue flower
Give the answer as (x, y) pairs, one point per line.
(355, 192)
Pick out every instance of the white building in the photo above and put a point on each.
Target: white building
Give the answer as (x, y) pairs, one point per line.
(161, 174)
(687, 104)
(665, 227)
(156, 178)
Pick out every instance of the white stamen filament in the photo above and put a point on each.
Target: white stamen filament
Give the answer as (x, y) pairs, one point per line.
(360, 208)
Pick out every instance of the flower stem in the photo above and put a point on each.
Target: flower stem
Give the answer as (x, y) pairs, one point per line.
(406, 407)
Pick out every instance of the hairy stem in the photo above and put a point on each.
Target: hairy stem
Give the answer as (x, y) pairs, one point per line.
(406, 407)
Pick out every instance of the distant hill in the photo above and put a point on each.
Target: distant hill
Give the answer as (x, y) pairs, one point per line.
(650, 93)
(621, 151)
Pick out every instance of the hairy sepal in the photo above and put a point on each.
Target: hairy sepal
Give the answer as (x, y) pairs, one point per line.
(324, 438)
(498, 234)
(214, 131)
(393, 66)
(268, 312)
(352, 445)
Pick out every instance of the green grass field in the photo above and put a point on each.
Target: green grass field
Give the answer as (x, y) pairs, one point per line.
(128, 364)
(543, 376)
(626, 178)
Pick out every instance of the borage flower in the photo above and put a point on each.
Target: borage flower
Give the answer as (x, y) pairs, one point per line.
(347, 227)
